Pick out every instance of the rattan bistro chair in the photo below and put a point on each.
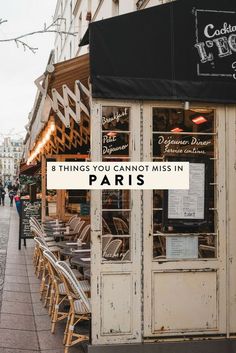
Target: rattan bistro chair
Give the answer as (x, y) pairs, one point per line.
(36, 226)
(106, 239)
(42, 267)
(84, 234)
(57, 294)
(78, 228)
(73, 221)
(38, 231)
(80, 307)
(41, 240)
(120, 226)
(126, 256)
(112, 249)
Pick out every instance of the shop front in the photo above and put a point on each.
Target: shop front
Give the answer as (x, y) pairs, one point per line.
(161, 87)
(60, 131)
(164, 94)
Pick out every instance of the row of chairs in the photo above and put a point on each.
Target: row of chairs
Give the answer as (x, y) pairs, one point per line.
(111, 247)
(59, 288)
(78, 226)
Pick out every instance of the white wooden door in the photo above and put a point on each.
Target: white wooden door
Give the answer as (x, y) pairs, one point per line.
(115, 216)
(184, 257)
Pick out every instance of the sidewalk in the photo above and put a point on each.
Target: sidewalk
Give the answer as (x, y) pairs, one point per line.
(24, 323)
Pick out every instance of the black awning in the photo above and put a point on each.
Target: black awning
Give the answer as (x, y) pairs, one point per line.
(183, 50)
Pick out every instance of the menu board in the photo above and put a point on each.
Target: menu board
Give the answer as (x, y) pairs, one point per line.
(115, 127)
(182, 247)
(28, 209)
(189, 204)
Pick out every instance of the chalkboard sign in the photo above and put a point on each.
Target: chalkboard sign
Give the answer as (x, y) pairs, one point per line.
(28, 209)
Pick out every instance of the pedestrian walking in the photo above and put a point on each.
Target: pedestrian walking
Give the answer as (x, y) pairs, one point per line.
(11, 195)
(17, 202)
(2, 195)
(9, 186)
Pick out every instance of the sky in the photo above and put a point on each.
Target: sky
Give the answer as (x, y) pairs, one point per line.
(19, 68)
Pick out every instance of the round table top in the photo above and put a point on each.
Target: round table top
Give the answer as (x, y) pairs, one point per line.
(69, 244)
(62, 234)
(77, 260)
(73, 251)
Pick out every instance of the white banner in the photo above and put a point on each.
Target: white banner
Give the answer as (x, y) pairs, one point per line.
(118, 175)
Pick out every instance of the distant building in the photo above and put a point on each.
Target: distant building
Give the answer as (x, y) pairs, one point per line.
(10, 156)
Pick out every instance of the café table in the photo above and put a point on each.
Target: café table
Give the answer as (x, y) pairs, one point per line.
(71, 244)
(52, 230)
(53, 221)
(63, 234)
(55, 228)
(80, 262)
(73, 251)
(54, 225)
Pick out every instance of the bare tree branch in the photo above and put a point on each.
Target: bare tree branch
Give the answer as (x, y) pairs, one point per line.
(47, 29)
(2, 21)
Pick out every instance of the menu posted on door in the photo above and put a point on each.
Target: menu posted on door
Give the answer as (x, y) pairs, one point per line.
(189, 204)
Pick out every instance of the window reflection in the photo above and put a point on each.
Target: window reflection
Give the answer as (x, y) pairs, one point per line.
(180, 135)
(179, 120)
(116, 203)
(115, 118)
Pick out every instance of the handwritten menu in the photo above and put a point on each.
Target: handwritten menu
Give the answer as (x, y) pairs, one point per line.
(115, 125)
(28, 210)
(189, 204)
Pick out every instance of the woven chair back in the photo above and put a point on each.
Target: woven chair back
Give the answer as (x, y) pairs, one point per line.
(73, 284)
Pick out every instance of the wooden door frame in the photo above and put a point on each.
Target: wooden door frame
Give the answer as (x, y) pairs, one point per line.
(219, 263)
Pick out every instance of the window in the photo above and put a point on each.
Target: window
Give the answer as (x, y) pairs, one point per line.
(116, 205)
(61, 8)
(61, 35)
(70, 50)
(115, 7)
(184, 221)
(80, 27)
(71, 13)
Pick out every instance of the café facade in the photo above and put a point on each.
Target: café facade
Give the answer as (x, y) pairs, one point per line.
(158, 85)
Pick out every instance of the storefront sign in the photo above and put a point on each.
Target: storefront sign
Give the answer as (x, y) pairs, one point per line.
(115, 126)
(113, 145)
(216, 43)
(182, 247)
(187, 52)
(183, 145)
(189, 204)
(116, 116)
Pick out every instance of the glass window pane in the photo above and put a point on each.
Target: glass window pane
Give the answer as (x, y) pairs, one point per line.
(180, 135)
(112, 199)
(115, 144)
(116, 212)
(179, 120)
(117, 222)
(115, 118)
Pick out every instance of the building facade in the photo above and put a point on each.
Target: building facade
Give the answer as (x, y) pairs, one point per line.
(10, 156)
(169, 284)
(75, 16)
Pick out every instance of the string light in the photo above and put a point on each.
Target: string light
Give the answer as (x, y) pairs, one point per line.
(40, 144)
